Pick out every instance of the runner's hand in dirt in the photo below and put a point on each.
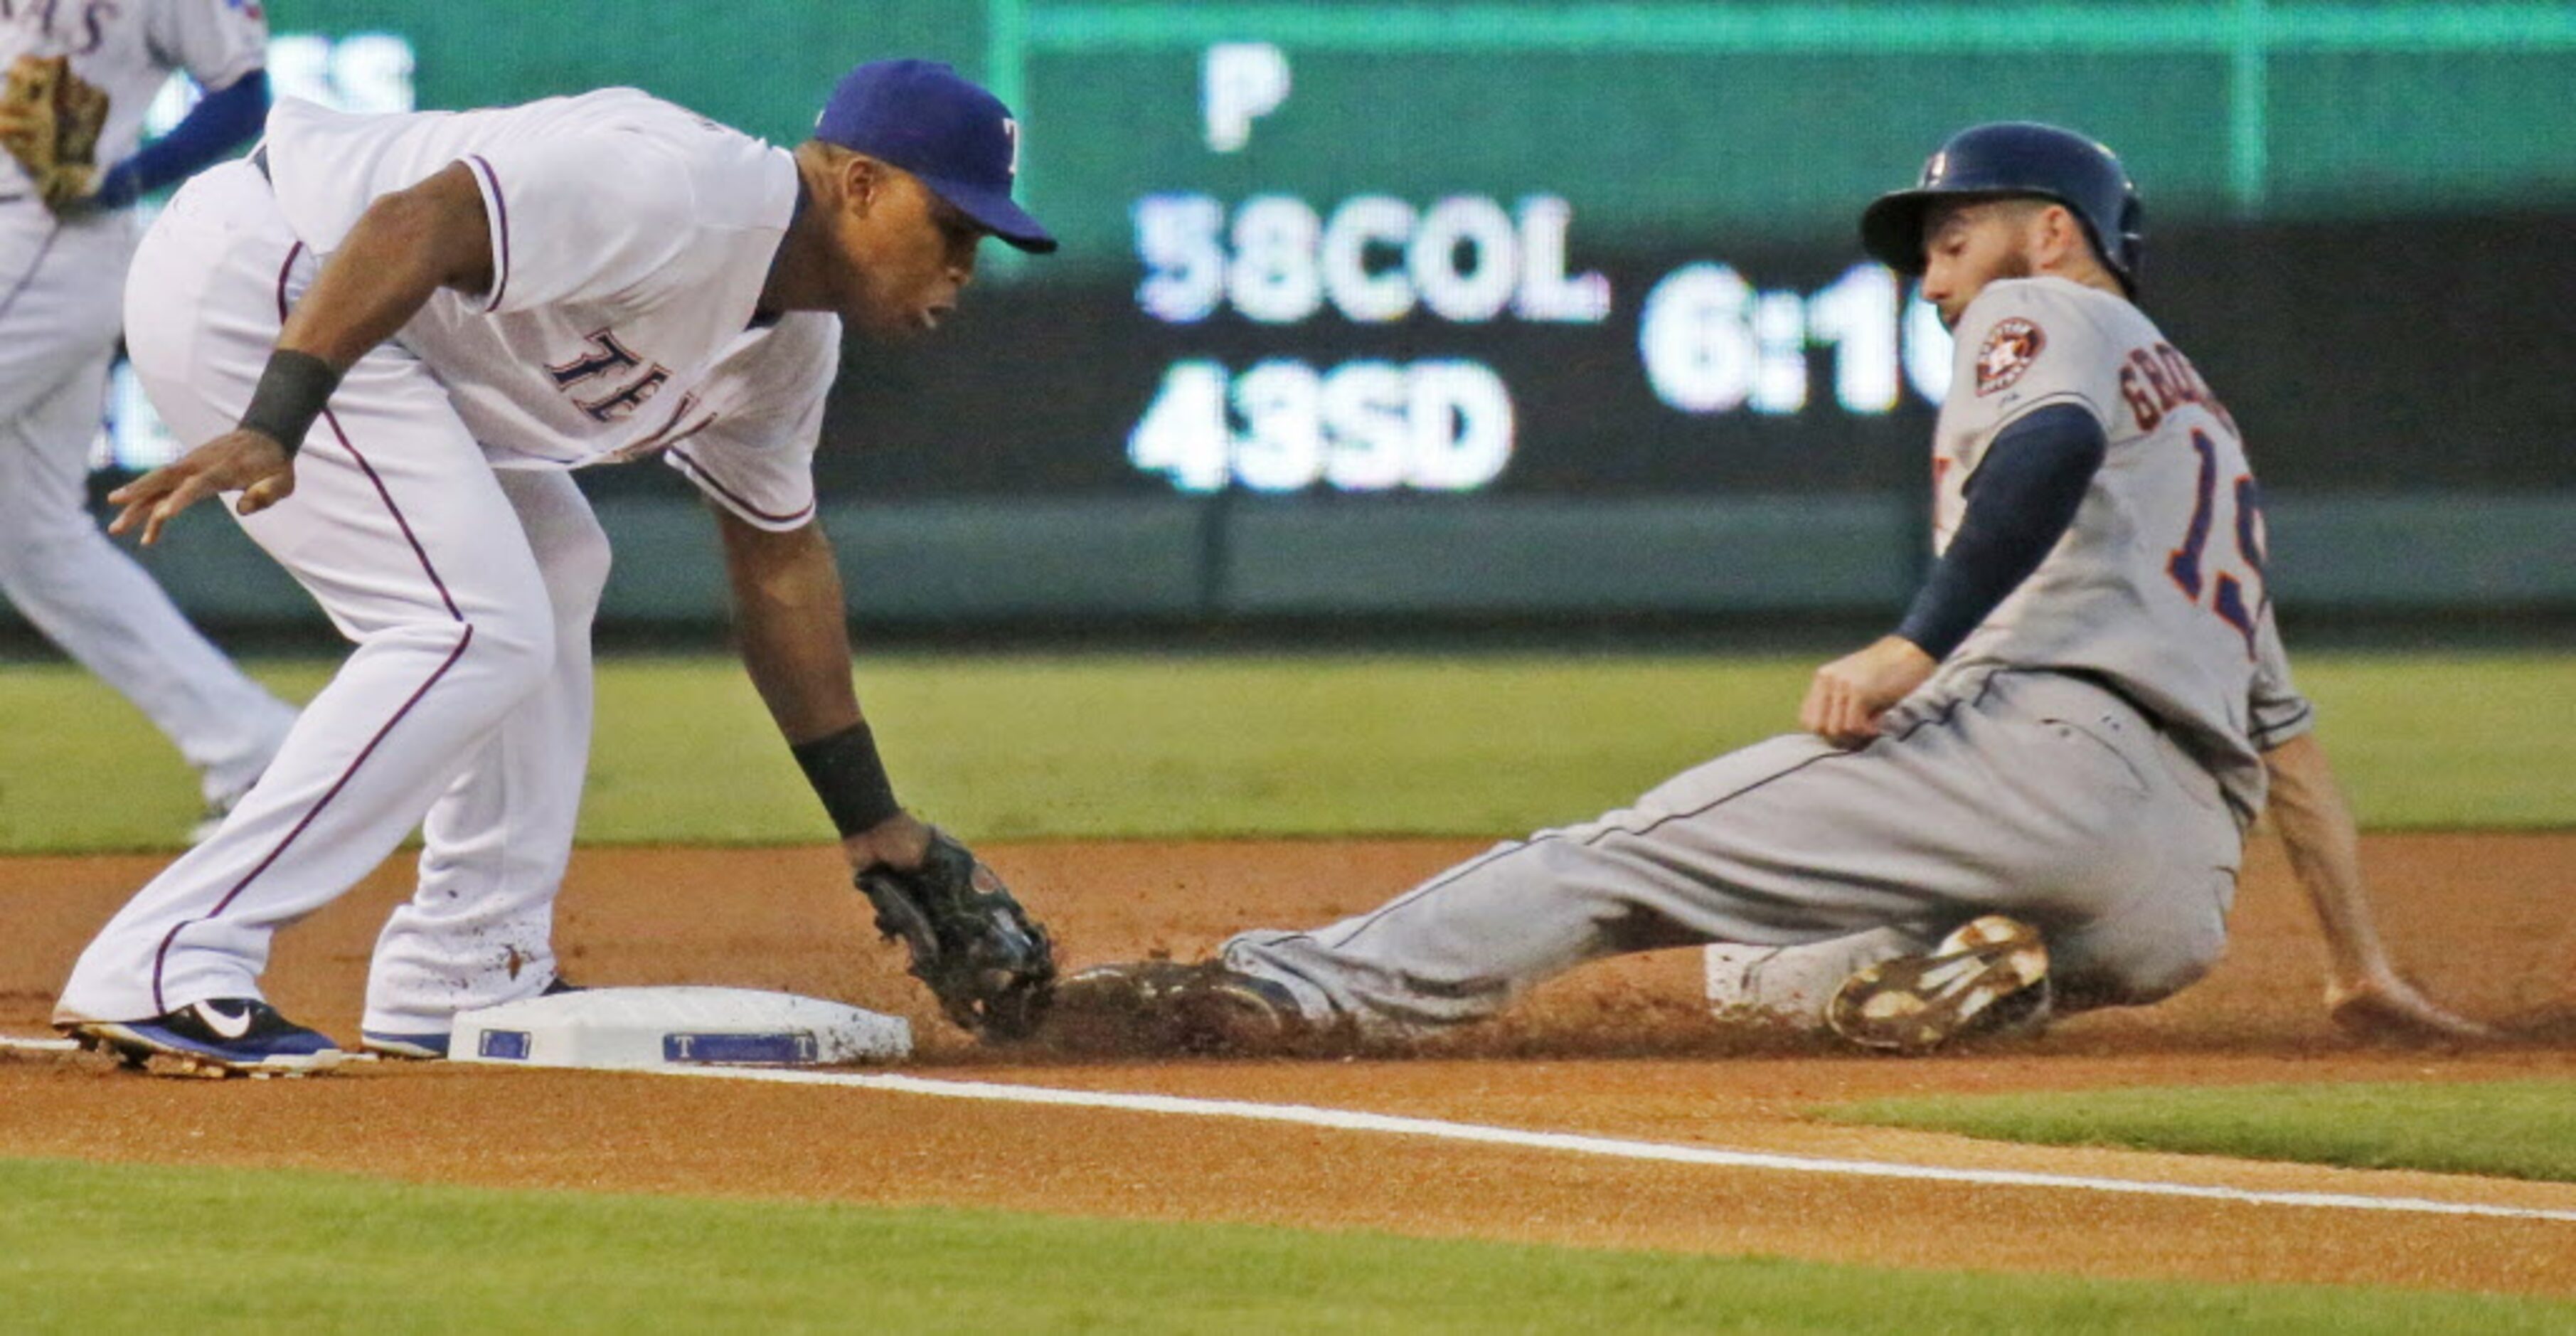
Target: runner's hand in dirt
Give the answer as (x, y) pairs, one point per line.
(240, 460)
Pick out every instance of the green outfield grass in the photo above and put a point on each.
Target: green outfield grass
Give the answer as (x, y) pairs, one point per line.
(1020, 746)
(2508, 1129)
(92, 1248)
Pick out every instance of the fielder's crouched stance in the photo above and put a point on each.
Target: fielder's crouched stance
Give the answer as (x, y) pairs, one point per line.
(2031, 797)
(397, 334)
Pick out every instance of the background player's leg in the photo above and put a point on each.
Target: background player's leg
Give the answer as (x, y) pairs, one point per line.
(61, 572)
(398, 528)
(478, 931)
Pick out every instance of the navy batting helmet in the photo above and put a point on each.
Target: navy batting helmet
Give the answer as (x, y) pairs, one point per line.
(2007, 158)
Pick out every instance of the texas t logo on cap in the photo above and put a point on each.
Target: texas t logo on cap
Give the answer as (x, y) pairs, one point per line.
(925, 118)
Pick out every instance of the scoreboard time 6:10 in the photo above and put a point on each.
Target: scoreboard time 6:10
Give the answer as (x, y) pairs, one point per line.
(1388, 309)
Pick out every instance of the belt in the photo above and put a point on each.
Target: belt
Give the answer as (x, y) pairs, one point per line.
(2107, 684)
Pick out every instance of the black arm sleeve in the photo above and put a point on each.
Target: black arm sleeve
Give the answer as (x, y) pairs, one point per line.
(2020, 501)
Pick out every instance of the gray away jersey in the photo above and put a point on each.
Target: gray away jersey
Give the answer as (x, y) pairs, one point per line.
(2158, 584)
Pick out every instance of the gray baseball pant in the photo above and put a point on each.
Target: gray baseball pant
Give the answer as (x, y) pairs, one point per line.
(2036, 794)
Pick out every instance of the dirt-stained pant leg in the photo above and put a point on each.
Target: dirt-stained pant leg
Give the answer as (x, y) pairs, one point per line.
(2029, 793)
(479, 928)
(2142, 952)
(1789, 988)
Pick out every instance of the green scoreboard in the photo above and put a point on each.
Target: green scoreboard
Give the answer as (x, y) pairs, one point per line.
(1325, 248)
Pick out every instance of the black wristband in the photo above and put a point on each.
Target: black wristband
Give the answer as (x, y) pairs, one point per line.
(849, 777)
(293, 390)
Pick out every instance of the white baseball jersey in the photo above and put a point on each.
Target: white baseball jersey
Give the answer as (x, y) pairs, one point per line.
(630, 239)
(2158, 583)
(435, 519)
(127, 49)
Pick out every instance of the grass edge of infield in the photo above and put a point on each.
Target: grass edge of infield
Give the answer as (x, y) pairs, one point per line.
(253, 1248)
(2523, 1129)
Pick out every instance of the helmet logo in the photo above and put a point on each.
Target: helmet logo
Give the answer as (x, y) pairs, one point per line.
(2010, 347)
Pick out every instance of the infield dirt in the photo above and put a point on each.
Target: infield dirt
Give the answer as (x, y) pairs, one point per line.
(1620, 1049)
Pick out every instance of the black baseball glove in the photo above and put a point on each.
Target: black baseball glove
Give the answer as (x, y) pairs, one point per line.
(992, 968)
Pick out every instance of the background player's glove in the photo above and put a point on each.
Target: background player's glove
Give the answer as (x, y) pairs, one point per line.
(49, 121)
(992, 969)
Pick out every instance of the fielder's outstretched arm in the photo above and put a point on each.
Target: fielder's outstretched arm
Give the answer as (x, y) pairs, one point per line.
(795, 641)
(405, 247)
(2364, 993)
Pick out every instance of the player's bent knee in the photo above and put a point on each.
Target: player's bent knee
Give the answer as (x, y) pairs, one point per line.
(501, 657)
(516, 652)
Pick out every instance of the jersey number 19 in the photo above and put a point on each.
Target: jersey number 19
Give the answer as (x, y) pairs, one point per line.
(2229, 598)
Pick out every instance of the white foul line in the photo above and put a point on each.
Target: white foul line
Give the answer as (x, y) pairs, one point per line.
(1616, 1148)
(1611, 1147)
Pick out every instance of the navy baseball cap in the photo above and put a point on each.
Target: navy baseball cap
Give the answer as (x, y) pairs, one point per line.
(925, 118)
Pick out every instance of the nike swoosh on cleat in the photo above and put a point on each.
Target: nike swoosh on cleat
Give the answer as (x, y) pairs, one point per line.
(230, 1027)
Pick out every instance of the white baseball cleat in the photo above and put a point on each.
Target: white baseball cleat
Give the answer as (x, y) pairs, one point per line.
(1988, 978)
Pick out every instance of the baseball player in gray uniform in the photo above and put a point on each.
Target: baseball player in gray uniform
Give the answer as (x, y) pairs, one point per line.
(63, 252)
(396, 335)
(2029, 799)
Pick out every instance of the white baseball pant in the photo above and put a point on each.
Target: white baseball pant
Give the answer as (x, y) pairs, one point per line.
(468, 593)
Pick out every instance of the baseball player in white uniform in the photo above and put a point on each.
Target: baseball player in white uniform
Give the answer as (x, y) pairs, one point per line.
(397, 334)
(2031, 798)
(62, 274)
